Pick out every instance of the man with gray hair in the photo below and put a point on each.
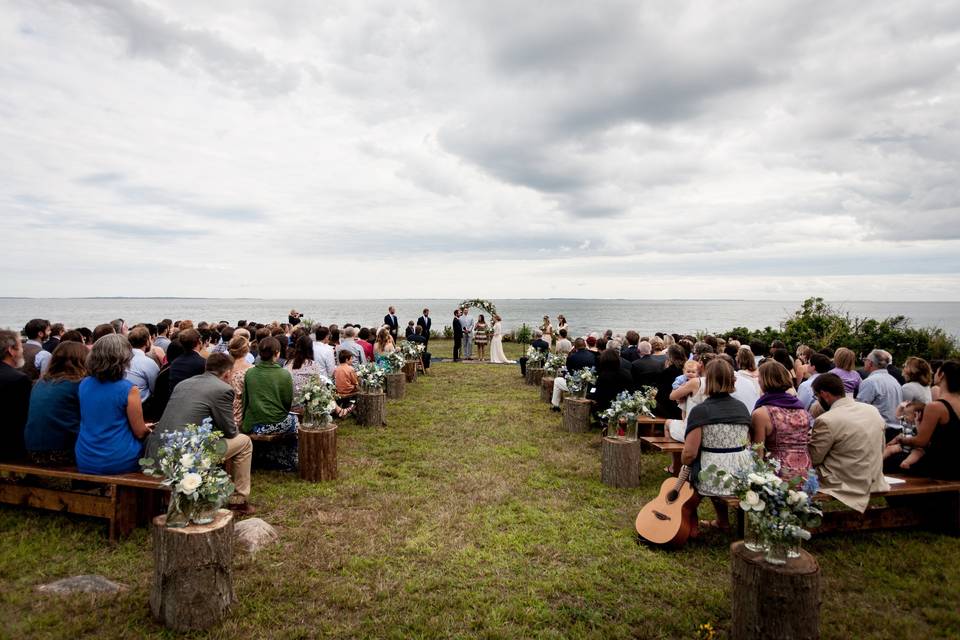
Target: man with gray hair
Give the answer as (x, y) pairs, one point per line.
(881, 390)
(15, 388)
(645, 370)
(349, 343)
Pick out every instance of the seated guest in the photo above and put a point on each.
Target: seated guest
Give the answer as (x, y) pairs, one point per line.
(363, 339)
(191, 363)
(845, 361)
(302, 366)
(239, 349)
(384, 344)
(14, 396)
(611, 380)
(267, 398)
(37, 331)
(718, 433)
(349, 343)
(345, 379)
(917, 373)
(417, 338)
(210, 395)
(580, 358)
(817, 364)
(564, 346)
(746, 389)
(937, 441)
(659, 350)
(539, 344)
(645, 369)
(881, 390)
(111, 417)
(53, 341)
(161, 388)
(143, 370)
(54, 419)
(162, 341)
(676, 359)
(783, 421)
(846, 445)
(323, 353)
(223, 344)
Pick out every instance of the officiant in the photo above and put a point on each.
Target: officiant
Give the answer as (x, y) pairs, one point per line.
(466, 321)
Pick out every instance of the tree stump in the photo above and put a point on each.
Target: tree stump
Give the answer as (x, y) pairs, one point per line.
(772, 601)
(576, 415)
(318, 453)
(371, 409)
(410, 370)
(546, 389)
(192, 575)
(536, 376)
(619, 463)
(396, 385)
(528, 376)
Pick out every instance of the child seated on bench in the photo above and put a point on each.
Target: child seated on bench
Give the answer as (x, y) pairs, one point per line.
(346, 381)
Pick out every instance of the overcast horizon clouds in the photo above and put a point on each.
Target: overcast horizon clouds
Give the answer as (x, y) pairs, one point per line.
(443, 149)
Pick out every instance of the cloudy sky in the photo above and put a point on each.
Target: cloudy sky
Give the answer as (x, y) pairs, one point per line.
(493, 149)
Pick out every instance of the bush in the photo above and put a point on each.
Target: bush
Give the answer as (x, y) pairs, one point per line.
(522, 335)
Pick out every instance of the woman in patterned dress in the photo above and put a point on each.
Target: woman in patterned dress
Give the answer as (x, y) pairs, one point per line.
(783, 421)
(480, 336)
(719, 434)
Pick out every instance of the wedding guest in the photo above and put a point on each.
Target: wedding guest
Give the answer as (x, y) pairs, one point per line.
(782, 356)
(267, 398)
(918, 375)
(630, 353)
(111, 416)
(457, 335)
(783, 421)
(239, 348)
(190, 363)
(345, 377)
(384, 344)
(410, 330)
(562, 324)
(846, 445)
(425, 321)
(658, 350)
(37, 331)
(800, 362)
(480, 337)
(161, 388)
(53, 340)
(676, 359)
(102, 330)
(391, 321)
(302, 366)
(817, 364)
(611, 380)
(688, 395)
(646, 369)
(417, 338)
(938, 433)
(564, 346)
(162, 341)
(592, 343)
(580, 358)
(718, 433)
(746, 389)
(294, 317)
(467, 324)
(143, 370)
(881, 390)
(845, 361)
(210, 395)
(349, 343)
(53, 422)
(363, 339)
(14, 396)
(538, 343)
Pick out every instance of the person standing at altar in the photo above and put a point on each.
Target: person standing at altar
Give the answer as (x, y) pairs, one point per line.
(466, 321)
(391, 321)
(457, 335)
(425, 321)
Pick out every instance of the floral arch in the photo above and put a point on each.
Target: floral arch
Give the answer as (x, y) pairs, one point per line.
(479, 303)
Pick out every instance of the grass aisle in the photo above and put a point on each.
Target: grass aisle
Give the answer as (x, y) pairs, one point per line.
(469, 515)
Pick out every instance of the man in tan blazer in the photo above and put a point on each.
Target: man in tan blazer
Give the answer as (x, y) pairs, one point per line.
(846, 445)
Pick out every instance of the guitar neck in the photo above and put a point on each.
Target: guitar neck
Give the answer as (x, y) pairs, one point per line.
(682, 477)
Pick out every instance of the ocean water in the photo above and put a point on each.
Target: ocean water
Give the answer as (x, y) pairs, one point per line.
(584, 315)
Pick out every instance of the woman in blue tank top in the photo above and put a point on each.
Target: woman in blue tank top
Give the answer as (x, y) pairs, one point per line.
(111, 416)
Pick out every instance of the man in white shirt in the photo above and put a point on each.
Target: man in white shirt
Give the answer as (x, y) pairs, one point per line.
(323, 352)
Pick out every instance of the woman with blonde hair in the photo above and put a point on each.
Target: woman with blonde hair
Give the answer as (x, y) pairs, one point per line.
(238, 347)
(845, 362)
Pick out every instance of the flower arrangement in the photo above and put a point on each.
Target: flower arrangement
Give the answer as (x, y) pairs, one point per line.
(189, 459)
(479, 303)
(641, 402)
(318, 399)
(579, 382)
(394, 361)
(410, 350)
(554, 364)
(371, 377)
(535, 357)
(780, 509)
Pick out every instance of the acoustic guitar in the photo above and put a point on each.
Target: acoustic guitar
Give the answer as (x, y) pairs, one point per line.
(666, 519)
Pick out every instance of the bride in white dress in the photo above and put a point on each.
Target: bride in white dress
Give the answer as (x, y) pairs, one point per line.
(496, 343)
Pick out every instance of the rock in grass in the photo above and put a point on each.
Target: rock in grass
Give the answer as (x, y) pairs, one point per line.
(83, 584)
(253, 534)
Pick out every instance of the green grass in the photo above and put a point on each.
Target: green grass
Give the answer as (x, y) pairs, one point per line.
(470, 515)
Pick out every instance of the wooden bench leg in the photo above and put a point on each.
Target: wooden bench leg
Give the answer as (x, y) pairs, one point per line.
(124, 519)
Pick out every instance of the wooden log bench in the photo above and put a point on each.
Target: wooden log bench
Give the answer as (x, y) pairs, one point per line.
(916, 502)
(647, 426)
(664, 444)
(124, 500)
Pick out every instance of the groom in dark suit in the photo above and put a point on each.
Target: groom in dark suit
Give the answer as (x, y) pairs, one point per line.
(424, 322)
(391, 320)
(457, 335)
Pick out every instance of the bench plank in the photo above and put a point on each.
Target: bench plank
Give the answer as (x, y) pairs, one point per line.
(84, 504)
(138, 480)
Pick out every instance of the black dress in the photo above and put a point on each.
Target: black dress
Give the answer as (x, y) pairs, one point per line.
(940, 457)
(667, 408)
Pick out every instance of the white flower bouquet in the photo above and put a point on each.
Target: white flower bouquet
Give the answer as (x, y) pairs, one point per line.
(535, 358)
(318, 399)
(394, 361)
(189, 459)
(641, 402)
(579, 382)
(410, 350)
(553, 364)
(371, 377)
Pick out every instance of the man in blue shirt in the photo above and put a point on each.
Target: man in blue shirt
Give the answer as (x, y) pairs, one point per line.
(881, 390)
(819, 364)
(142, 370)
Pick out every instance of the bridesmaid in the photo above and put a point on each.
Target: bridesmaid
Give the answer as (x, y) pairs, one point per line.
(480, 337)
(547, 330)
(562, 324)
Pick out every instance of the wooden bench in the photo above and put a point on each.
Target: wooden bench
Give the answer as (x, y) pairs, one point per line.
(124, 500)
(650, 426)
(664, 444)
(923, 502)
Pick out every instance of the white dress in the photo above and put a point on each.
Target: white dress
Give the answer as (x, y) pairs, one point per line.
(496, 345)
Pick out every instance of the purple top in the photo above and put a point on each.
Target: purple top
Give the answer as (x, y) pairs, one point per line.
(851, 379)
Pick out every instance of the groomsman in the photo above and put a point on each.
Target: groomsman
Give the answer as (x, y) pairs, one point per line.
(457, 335)
(467, 323)
(391, 320)
(424, 322)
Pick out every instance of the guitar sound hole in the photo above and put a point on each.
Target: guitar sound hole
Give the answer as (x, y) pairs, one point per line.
(661, 516)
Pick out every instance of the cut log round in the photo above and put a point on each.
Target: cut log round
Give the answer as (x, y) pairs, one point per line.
(576, 415)
(536, 376)
(410, 370)
(546, 389)
(371, 409)
(528, 376)
(193, 574)
(318, 453)
(619, 463)
(396, 385)
(772, 601)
